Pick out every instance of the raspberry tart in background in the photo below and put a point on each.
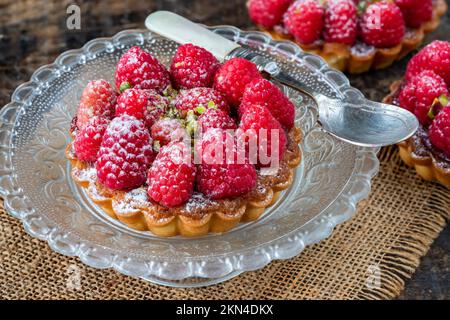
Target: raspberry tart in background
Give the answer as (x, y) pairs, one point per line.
(170, 150)
(425, 91)
(351, 35)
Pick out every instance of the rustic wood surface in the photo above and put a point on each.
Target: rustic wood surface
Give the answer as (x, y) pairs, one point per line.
(33, 33)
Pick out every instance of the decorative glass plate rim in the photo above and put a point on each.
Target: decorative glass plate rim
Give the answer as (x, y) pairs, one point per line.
(285, 247)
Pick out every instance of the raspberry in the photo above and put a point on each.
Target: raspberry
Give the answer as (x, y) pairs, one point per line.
(215, 118)
(139, 69)
(232, 78)
(88, 139)
(221, 174)
(265, 93)
(171, 177)
(435, 56)
(382, 25)
(418, 95)
(267, 13)
(97, 99)
(304, 20)
(341, 22)
(193, 67)
(439, 131)
(254, 120)
(145, 105)
(416, 12)
(200, 97)
(167, 130)
(125, 154)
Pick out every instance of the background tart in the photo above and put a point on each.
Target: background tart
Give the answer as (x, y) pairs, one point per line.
(360, 57)
(417, 152)
(199, 215)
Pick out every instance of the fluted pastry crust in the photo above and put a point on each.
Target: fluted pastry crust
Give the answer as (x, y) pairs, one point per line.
(197, 217)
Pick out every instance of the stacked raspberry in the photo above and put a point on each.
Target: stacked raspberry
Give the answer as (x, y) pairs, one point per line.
(139, 134)
(380, 24)
(425, 92)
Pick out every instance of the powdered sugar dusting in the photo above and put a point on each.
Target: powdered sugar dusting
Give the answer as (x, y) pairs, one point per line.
(197, 202)
(132, 202)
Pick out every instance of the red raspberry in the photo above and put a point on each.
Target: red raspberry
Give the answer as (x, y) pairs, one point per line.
(215, 118)
(304, 20)
(222, 174)
(439, 131)
(139, 69)
(416, 12)
(232, 78)
(265, 93)
(125, 154)
(267, 13)
(145, 105)
(171, 177)
(418, 94)
(168, 130)
(341, 22)
(200, 97)
(382, 25)
(98, 99)
(88, 139)
(254, 120)
(435, 56)
(193, 67)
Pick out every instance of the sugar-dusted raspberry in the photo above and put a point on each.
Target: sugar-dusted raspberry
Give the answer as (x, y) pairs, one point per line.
(139, 69)
(97, 99)
(193, 67)
(259, 126)
(416, 12)
(304, 20)
(200, 99)
(167, 130)
(439, 131)
(232, 78)
(418, 94)
(341, 22)
(145, 105)
(125, 154)
(267, 13)
(382, 25)
(88, 139)
(222, 173)
(215, 118)
(172, 175)
(435, 56)
(265, 93)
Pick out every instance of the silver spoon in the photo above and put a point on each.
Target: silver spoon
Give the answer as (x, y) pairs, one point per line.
(360, 122)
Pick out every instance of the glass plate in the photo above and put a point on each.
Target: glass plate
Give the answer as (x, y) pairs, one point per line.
(37, 187)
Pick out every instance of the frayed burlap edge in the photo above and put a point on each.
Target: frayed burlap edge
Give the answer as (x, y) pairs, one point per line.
(403, 258)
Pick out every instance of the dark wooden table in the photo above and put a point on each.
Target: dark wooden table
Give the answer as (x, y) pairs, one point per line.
(33, 33)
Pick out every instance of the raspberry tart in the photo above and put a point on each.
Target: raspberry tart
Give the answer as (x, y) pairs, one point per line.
(184, 151)
(425, 91)
(351, 35)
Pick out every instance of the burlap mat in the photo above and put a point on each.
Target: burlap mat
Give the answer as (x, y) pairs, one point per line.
(384, 241)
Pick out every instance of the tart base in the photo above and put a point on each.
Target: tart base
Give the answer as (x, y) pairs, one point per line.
(142, 215)
(426, 166)
(342, 57)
